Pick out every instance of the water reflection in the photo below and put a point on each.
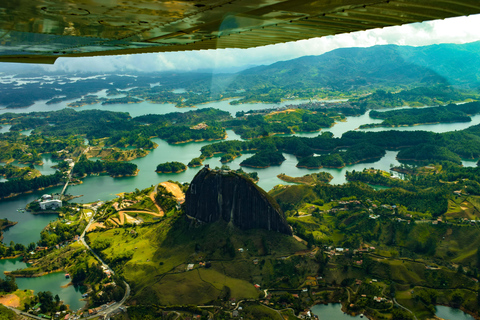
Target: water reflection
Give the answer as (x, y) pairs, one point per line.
(331, 311)
(448, 313)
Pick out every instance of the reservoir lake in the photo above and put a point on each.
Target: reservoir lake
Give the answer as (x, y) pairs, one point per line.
(105, 187)
(334, 311)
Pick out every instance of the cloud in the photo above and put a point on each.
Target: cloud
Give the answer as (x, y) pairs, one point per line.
(453, 30)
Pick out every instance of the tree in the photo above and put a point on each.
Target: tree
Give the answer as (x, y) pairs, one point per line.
(8, 285)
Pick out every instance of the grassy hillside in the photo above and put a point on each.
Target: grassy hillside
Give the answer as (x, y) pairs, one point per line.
(158, 256)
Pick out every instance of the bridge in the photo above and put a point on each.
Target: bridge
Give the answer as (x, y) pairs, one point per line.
(72, 164)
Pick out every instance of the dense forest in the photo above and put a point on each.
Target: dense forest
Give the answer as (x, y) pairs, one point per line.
(339, 159)
(22, 185)
(113, 168)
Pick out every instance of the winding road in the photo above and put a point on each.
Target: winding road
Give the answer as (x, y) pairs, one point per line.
(114, 307)
(398, 304)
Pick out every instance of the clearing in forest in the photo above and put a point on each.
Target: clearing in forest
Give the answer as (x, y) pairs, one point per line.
(174, 189)
(10, 300)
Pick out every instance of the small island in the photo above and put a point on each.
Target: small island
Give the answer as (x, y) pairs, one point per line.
(195, 162)
(412, 117)
(264, 159)
(339, 159)
(171, 167)
(308, 179)
(114, 168)
(117, 154)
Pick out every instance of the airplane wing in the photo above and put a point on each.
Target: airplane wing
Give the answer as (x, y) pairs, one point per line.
(40, 31)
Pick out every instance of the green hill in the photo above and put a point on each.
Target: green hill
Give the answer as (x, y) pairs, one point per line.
(160, 255)
(380, 66)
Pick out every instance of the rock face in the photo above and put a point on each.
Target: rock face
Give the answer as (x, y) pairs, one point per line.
(215, 195)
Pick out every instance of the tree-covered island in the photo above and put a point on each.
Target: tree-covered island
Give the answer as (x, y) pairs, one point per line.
(171, 167)
(414, 116)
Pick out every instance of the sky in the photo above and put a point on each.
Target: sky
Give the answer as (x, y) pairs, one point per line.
(453, 30)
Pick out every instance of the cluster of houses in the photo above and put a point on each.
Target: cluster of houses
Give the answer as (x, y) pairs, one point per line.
(165, 315)
(106, 271)
(200, 126)
(203, 264)
(96, 310)
(96, 205)
(340, 251)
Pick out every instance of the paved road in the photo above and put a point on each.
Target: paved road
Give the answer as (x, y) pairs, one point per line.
(106, 313)
(82, 240)
(25, 314)
(398, 304)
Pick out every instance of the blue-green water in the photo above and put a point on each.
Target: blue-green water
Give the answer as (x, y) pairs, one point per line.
(5, 128)
(331, 311)
(448, 313)
(52, 282)
(11, 265)
(45, 168)
(106, 187)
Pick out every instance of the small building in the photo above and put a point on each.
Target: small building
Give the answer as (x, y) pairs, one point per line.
(190, 266)
(46, 197)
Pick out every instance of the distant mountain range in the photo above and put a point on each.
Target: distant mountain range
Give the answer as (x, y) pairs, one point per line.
(385, 65)
(447, 66)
